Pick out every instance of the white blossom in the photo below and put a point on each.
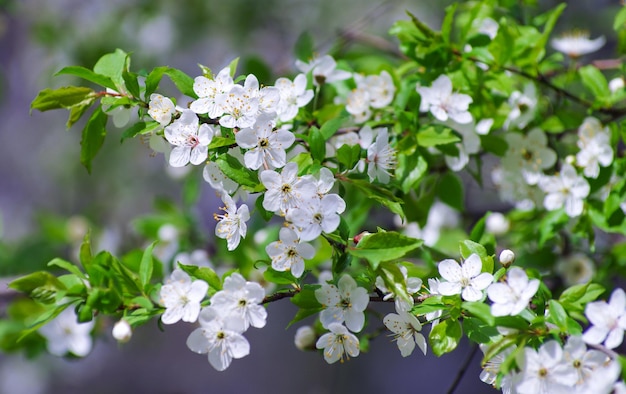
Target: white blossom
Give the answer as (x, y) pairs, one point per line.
(240, 110)
(344, 302)
(575, 269)
(241, 298)
(324, 70)
(406, 329)
(544, 372)
(65, 334)
(577, 43)
(218, 181)
(317, 216)
(208, 90)
(285, 190)
(266, 146)
(293, 96)
(305, 338)
(442, 103)
(381, 158)
(491, 367)
(191, 140)
(512, 297)
(566, 189)
(122, 331)
(358, 105)
(413, 285)
(220, 337)
(608, 320)
(528, 153)
(181, 297)
(616, 84)
(595, 147)
(584, 362)
(522, 106)
(161, 109)
(232, 223)
(497, 224)
(465, 279)
(337, 343)
(288, 253)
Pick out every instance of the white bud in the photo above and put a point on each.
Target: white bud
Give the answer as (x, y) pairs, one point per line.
(122, 331)
(305, 338)
(497, 223)
(507, 257)
(616, 84)
(570, 159)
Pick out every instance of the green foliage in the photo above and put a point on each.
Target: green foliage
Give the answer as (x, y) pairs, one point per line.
(383, 246)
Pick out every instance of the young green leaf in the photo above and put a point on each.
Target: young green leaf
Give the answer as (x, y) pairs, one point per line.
(92, 137)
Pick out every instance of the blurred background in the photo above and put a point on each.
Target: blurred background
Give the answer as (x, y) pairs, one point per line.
(46, 196)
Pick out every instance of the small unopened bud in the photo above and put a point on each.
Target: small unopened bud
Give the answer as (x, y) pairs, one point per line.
(507, 257)
(497, 223)
(305, 338)
(122, 331)
(357, 238)
(570, 159)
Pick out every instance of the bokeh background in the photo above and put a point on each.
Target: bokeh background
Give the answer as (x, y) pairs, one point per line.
(42, 183)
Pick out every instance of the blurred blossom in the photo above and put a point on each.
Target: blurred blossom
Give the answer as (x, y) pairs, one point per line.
(575, 269)
(440, 216)
(497, 224)
(577, 43)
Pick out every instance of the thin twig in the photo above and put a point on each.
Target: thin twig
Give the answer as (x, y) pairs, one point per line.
(462, 370)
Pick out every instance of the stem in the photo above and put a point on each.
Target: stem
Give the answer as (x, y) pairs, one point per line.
(461, 373)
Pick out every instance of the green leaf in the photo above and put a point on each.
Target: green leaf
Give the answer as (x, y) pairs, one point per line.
(146, 267)
(153, 80)
(595, 81)
(85, 255)
(468, 247)
(450, 191)
(411, 170)
(384, 246)
(278, 277)
(203, 273)
(550, 225)
(494, 144)
(88, 75)
(232, 168)
(183, 82)
(479, 310)
(620, 19)
(431, 304)
(448, 20)
(329, 128)
(445, 337)
(65, 97)
(233, 66)
(348, 156)
(113, 66)
(393, 279)
(304, 48)
(77, 111)
(380, 195)
(317, 144)
(305, 298)
(478, 331)
(430, 137)
(132, 85)
(66, 265)
(139, 128)
(558, 315)
(92, 137)
(219, 142)
(40, 279)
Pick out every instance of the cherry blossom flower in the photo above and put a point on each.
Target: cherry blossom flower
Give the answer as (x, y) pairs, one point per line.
(266, 146)
(220, 337)
(491, 367)
(380, 88)
(190, 139)
(497, 224)
(545, 372)
(381, 158)
(512, 297)
(122, 331)
(344, 302)
(218, 181)
(575, 269)
(465, 279)
(608, 320)
(240, 110)
(285, 190)
(288, 253)
(616, 84)
(523, 105)
(577, 43)
(293, 96)
(241, 298)
(268, 96)
(161, 109)
(65, 334)
(337, 343)
(358, 105)
(442, 103)
(566, 189)
(470, 143)
(181, 297)
(585, 362)
(324, 70)
(317, 216)
(208, 91)
(595, 147)
(305, 338)
(528, 153)
(232, 224)
(198, 257)
(406, 329)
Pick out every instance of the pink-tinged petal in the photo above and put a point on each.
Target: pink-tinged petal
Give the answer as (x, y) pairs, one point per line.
(450, 288)
(481, 281)
(179, 157)
(472, 266)
(594, 335)
(471, 294)
(615, 338)
(450, 270)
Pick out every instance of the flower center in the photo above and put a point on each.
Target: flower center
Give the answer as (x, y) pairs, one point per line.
(264, 143)
(543, 372)
(286, 188)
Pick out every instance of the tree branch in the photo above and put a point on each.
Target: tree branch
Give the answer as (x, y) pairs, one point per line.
(462, 370)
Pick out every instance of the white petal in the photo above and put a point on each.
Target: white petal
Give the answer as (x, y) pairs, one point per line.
(197, 342)
(450, 270)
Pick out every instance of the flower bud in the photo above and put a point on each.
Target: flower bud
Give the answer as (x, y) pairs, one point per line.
(122, 331)
(497, 223)
(507, 257)
(305, 338)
